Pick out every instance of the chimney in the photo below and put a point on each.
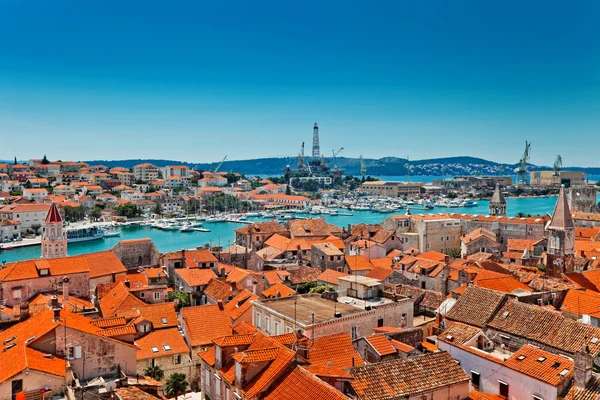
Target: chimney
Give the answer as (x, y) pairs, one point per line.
(55, 307)
(65, 291)
(583, 367)
(220, 304)
(183, 264)
(254, 283)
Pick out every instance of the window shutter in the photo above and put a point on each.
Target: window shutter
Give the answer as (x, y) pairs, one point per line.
(77, 352)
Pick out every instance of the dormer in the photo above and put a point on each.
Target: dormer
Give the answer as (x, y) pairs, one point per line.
(248, 364)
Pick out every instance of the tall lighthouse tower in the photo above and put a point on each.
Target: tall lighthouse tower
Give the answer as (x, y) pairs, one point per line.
(316, 151)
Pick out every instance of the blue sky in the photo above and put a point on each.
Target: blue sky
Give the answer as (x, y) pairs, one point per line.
(198, 80)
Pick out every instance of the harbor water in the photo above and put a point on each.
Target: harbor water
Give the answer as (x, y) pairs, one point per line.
(222, 233)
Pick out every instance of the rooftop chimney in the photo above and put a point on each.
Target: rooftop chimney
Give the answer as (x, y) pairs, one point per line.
(220, 304)
(583, 368)
(55, 307)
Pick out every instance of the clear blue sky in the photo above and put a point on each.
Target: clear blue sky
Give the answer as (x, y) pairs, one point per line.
(195, 81)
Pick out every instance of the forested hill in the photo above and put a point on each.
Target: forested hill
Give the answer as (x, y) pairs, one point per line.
(463, 165)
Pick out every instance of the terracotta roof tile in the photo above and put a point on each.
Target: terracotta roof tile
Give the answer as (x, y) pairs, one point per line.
(528, 360)
(161, 343)
(205, 323)
(381, 344)
(406, 377)
(240, 304)
(301, 385)
(476, 306)
(278, 290)
(543, 326)
(218, 290)
(334, 349)
(331, 276)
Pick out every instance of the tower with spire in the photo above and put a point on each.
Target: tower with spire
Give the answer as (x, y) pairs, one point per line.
(54, 237)
(560, 257)
(498, 203)
(561, 230)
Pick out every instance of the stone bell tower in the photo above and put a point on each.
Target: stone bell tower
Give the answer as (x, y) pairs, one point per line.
(54, 237)
(497, 203)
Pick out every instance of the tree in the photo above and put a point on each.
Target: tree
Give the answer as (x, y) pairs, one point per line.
(128, 210)
(74, 213)
(182, 297)
(454, 252)
(287, 190)
(176, 384)
(158, 209)
(45, 160)
(155, 372)
(95, 213)
(15, 163)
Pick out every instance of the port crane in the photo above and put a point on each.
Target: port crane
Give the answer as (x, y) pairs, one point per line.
(219, 166)
(521, 170)
(301, 158)
(557, 167)
(335, 154)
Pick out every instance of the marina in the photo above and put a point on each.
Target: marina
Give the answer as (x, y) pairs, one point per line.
(219, 230)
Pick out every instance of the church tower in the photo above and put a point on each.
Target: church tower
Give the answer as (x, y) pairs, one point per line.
(561, 231)
(54, 237)
(497, 203)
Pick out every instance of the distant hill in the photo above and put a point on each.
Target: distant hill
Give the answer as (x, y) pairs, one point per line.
(390, 166)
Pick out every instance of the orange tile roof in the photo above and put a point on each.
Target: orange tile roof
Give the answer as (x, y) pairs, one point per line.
(407, 377)
(403, 347)
(20, 357)
(196, 276)
(272, 277)
(234, 340)
(128, 329)
(271, 373)
(108, 322)
(334, 349)
(256, 356)
(218, 290)
(161, 343)
(160, 315)
(240, 304)
(380, 273)
(358, 263)
(116, 299)
(433, 255)
(581, 302)
(301, 385)
(243, 328)
(205, 323)
(381, 344)
(520, 245)
(278, 290)
(500, 282)
(473, 395)
(331, 276)
(208, 356)
(528, 360)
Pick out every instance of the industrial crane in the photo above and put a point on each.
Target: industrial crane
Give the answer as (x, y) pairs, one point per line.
(521, 170)
(301, 158)
(557, 168)
(219, 166)
(335, 154)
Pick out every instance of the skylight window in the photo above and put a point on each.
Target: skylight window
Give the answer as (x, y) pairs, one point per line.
(541, 359)
(505, 314)
(166, 347)
(594, 340)
(564, 372)
(521, 358)
(154, 349)
(163, 320)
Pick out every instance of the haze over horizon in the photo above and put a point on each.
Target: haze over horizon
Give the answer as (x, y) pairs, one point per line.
(195, 82)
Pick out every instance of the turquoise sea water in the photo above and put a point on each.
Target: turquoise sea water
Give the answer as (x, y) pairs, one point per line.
(222, 233)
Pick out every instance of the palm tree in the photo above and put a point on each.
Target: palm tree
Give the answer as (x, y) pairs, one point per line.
(521, 214)
(155, 372)
(176, 384)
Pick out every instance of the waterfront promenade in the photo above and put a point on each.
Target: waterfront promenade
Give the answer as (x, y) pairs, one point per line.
(222, 233)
